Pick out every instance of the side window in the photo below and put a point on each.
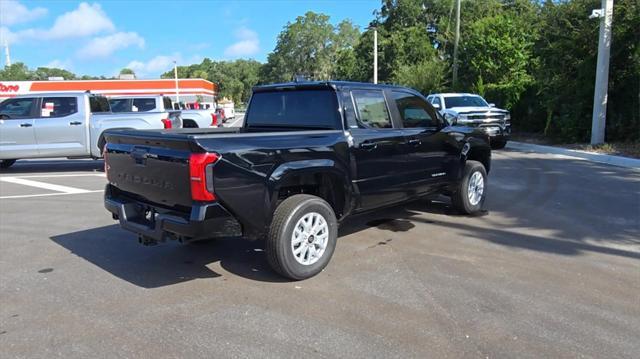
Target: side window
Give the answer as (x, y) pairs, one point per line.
(99, 104)
(144, 104)
(120, 105)
(167, 103)
(372, 109)
(414, 111)
(17, 108)
(58, 106)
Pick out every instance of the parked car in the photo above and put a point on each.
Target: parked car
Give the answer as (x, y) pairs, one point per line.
(472, 110)
(308, 156)
(66, 124)
(200, 118)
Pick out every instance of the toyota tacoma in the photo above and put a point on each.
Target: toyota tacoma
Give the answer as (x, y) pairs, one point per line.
(308, 155)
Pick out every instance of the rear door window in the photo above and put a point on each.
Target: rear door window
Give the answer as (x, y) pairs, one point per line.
(144, 104)
(120, 105)
(371, 108)
(17, 108)
(58, 106)
(294, 108)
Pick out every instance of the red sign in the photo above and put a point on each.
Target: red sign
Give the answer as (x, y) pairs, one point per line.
(9, 88)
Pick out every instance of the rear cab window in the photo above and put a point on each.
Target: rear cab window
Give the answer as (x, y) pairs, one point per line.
(99, 104)
(144, 104)
(308, 108)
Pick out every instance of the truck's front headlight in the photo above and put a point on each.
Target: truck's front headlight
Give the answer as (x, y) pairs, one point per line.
(463, 117)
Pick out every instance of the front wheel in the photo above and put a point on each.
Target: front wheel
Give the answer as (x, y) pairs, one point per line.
(471, 192)
(302, 237)
(6, 163)
(498, 144)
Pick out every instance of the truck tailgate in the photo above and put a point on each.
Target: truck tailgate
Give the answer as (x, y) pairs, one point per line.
(151, 168)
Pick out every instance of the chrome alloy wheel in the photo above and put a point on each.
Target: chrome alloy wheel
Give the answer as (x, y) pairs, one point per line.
(476, 188)
(309, 239)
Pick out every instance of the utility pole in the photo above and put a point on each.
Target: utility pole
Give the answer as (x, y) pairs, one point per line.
(375, 55)
(599, 119)
(175, 74)
(6, 53)
(455, 46)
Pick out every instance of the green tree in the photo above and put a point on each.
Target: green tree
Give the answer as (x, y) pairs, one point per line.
(16, 72)
(498, 52)
(127, 71)
(43, 73)
(426, 76)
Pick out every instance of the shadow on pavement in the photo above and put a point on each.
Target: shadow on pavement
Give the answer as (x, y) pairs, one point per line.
(582, 206)
(118, 252)
(58, 165)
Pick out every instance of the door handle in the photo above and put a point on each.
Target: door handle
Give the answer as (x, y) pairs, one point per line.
(25, 125)
(414, 142)
(368, 145)
(75, 123)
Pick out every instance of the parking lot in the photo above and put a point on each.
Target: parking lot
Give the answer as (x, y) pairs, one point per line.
(551, 269)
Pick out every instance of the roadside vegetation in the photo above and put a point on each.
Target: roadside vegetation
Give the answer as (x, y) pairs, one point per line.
(535, 58)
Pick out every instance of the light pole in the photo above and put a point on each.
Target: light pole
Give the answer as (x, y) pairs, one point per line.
(175, 74)
(455, 46)
(599, 118)
(375, 53)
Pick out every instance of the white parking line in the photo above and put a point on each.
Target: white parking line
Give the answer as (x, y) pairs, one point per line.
(65, 175)
(48, 194)
(234, 122)
(49, 186)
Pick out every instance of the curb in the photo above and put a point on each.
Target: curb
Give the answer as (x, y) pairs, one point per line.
(589, 156)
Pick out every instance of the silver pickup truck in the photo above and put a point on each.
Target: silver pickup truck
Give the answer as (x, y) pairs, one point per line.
(202, 118)
(66, 124)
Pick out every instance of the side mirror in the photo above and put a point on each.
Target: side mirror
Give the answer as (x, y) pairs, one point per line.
(436, 106)
(492, 105)
(451, 119)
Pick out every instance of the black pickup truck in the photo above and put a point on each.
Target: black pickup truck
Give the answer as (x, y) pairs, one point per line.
(308, 155)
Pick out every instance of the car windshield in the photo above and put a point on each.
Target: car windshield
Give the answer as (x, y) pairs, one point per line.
(465, 101)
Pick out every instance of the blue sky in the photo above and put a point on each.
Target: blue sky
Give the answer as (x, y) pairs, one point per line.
(101, 37)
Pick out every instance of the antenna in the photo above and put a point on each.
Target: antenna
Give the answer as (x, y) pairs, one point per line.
(6, 53)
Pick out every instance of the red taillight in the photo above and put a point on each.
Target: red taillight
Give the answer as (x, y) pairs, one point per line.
(167, 123)
(201, 186)
(214, 119)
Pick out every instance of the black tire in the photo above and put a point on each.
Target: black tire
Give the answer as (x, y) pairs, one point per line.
(6, 163)
(279, 247)
(498, 144)
(460, 198)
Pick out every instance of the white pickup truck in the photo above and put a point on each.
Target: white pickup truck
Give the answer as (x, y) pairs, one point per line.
(203, 118)
(66, 124)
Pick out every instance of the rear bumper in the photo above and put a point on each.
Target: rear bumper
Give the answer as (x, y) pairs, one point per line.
(153, 223)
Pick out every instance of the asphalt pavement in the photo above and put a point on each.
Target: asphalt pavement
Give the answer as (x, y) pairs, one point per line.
(551, 269)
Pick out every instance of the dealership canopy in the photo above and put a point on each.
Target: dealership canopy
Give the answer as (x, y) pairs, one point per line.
(189, 90)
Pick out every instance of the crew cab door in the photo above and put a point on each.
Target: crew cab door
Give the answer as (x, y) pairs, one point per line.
(60, 129)
(377, 149)
(426, 146)
(17, 136)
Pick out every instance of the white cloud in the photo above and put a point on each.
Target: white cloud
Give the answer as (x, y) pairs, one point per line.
(247, 44)
(106, 45)
(13, 12)
(159, 64)
(59, 64)
(86, 20)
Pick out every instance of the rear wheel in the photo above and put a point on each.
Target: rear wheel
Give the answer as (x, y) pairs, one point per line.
(6, 163)
(471, 192)
(302, 237)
